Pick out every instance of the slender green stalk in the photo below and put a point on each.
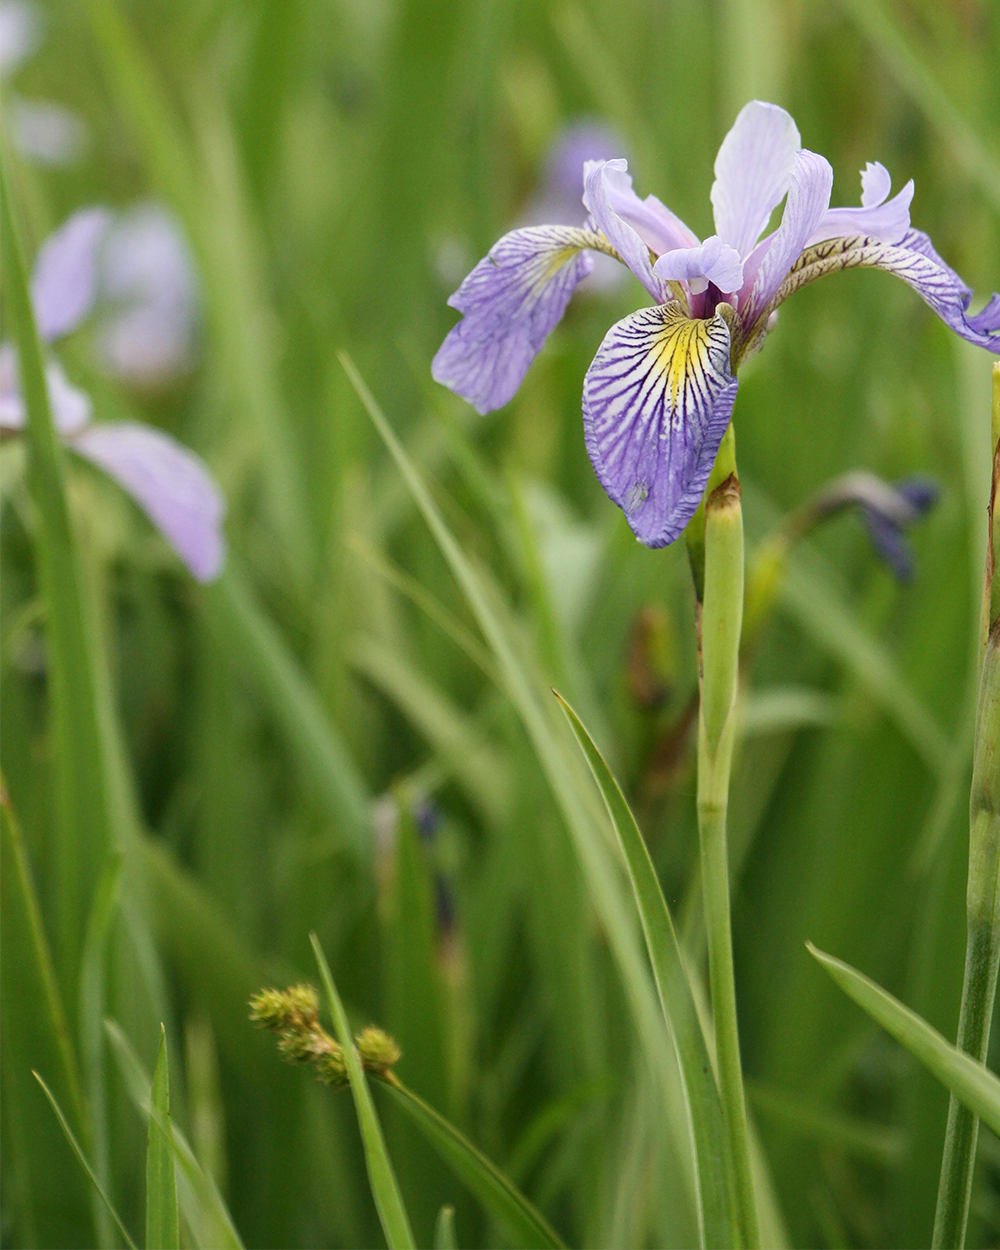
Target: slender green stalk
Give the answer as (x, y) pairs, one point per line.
(982, 953)
(83, 817)
(721, 621)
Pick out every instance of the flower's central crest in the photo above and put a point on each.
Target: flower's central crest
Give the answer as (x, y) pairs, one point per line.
(659, 394)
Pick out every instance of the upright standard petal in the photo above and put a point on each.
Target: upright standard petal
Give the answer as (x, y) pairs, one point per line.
(656, 402)
(915, 261)
(510, 302)
(65, 279)
(877, 218)
(659, 228)
(752, 173)
(168, 482)
(599, 177)
(806, 206)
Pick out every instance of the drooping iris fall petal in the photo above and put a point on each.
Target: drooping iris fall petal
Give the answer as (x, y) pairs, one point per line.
(656, 402)
(510, 302)
(168, 482)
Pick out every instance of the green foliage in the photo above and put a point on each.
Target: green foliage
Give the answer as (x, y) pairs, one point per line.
(352, 732)
(162, 1228)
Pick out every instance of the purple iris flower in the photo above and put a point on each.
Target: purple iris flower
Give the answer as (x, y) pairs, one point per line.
(167, 481)
(887, 510)
(659, 394)
(558, 199)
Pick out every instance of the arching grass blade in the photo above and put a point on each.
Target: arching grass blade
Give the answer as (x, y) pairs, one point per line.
(381, 1176)
(499, 1196)
(84, 1161)
(676, 999)
(971, 1082)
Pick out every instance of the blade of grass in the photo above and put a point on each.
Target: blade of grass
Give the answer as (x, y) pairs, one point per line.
(82, 812)
(564, 775)
(499, 1196)
(385, 1191)
(971, 1082)
(323, 759)
(162, 1228)
(26, 902)
(84, 1162)
(199, 1195)
(680, 1012)
(92, 1013)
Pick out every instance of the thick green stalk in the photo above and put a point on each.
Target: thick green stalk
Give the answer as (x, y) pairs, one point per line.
(982, 954)
(721, 621)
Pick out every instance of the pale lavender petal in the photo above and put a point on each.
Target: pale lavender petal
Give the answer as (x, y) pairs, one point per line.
(877, 218)
(656, 402)
(712, 261)
(659, 228)
(875, 185)
(65, 278)
(70, 407)
(169, 483)
(752, 172)
(147, 272)
(598, 179)
(20, 33)
(807, 203)
(47, 132)
(511, 301)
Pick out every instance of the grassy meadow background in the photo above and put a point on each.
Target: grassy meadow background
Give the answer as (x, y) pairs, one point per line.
(324, 739)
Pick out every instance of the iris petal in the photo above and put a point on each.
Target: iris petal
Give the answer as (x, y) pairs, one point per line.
(511, 301)
(806, 206)
(656, 402)
(168, 482)
(659, 228)
(918, 264)
(877, 218)
(599, 177)
(752, 172)
(64, 282)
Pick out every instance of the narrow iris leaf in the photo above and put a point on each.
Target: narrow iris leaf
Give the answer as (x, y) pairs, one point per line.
(162, 1227)
(84, 1162)
(971, 1082)
(385, 1190)
(676, 999)
(508, 1206)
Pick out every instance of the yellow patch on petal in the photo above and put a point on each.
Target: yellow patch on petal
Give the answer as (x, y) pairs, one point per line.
(681, 350)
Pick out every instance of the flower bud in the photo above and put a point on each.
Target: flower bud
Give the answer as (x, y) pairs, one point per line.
(377, 1049)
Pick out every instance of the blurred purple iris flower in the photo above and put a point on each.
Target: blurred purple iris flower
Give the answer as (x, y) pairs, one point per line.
(659, 394)
(557, 201)
(42, 130)
(167, 481)
(887, 510)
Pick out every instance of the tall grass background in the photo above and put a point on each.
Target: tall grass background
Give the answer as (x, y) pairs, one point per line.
(265, 741)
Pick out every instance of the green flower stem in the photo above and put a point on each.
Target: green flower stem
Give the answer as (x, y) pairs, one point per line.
(982, 954)
(721, 621)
